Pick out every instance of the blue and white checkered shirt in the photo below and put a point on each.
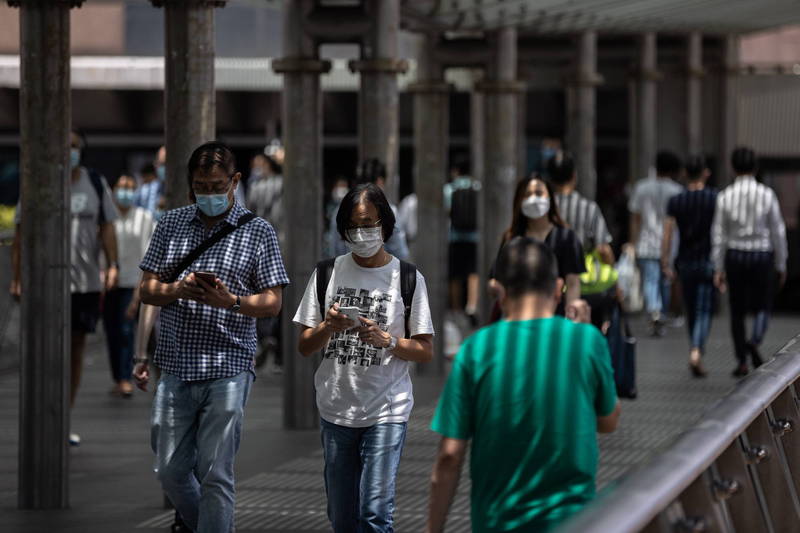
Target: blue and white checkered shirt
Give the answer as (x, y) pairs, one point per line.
(197, 341)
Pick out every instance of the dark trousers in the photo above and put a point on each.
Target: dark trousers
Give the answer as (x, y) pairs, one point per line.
(697, 282)
(119, 333)
(751, 285)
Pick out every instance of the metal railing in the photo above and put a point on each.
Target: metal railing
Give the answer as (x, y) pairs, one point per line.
(736, 470)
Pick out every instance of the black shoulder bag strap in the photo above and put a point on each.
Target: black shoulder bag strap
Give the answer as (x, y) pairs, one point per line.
(324, 272)
(97, 184)
(206, 244)
(408, 284)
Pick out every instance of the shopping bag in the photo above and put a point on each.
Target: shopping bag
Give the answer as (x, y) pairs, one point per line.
(629, 282)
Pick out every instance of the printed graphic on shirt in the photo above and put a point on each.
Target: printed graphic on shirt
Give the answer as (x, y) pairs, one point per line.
(346, 347)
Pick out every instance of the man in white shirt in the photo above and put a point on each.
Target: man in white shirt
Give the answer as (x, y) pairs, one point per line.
(748, 246)
(648, 207)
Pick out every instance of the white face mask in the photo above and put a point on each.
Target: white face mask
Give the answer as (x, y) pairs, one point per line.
(535, 206)
(365, 242)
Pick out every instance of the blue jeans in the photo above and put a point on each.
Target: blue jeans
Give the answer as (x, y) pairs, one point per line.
(655, 286)
(360, 472)
(196, 427)
(697, 281)
(119, 333)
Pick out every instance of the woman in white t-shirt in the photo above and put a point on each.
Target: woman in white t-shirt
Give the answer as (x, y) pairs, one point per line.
(363, 387)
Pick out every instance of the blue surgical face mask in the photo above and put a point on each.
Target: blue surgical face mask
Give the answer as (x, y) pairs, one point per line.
(213, 205)
(125, 197)
(161, 172)
(74, 157)
(157, 214)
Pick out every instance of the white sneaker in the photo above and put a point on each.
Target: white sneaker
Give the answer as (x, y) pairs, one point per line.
(74, 439)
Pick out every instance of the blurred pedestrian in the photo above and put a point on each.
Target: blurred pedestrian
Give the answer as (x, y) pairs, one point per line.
(530, 392)
(584, 217)
(363, 387)
(461, 199)
(208, 335)
(749, 247)
(152, 185)
(92, 214)
(692, 212)
(648, 207)
(133, 229)
(535, 215)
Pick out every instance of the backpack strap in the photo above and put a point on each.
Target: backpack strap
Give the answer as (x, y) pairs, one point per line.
(408, 285)
(97, 184)
(190, 258)
(324, 273)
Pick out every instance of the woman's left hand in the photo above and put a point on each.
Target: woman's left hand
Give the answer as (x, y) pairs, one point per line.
(370, 333)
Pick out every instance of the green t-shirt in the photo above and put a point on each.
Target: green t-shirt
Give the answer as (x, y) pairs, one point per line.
(528, 393)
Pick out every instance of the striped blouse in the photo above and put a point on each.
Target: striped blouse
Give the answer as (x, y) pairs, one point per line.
(584, 218)
(748, 218)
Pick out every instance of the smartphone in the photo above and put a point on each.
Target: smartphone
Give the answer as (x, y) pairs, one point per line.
(352, 313)
(208, 277)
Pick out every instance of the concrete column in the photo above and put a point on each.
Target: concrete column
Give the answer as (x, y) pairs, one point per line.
(646, 114)
(378, 100)
(302, 202)
(45, 117)
(501, 95)
(694, 94)
(581, 112)
(729, 108)
(431, 129)
(189, 94)
(476, 133)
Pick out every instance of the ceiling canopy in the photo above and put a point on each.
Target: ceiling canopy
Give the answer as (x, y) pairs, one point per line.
(616, 16)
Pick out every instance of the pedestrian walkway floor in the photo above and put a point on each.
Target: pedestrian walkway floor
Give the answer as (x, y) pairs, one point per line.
(280, 488)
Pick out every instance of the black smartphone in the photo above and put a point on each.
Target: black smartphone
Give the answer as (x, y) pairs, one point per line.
(208, 277)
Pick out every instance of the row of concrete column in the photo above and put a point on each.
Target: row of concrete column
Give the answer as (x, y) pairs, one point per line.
(497, 131)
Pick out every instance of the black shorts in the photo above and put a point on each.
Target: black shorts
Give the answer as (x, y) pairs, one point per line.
(85, 311)
(463, 259)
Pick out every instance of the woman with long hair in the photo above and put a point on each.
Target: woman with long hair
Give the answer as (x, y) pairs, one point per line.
(535, 214)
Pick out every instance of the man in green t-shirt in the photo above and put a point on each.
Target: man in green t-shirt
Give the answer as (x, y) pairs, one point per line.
(531, 392)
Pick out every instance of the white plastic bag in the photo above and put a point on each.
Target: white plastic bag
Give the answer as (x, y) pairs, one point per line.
(630, 282)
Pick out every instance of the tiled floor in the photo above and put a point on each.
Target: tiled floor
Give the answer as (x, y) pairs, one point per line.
(279, 471)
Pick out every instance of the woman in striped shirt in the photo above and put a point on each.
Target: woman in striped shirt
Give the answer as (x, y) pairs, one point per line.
(748, 247)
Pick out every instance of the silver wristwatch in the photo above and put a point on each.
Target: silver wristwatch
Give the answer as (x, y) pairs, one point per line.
(235, 307)
(392, 343)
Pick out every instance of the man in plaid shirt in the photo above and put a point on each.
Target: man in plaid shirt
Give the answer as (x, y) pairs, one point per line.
(208, 337)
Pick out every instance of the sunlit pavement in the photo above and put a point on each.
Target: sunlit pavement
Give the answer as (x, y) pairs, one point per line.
(280, 487)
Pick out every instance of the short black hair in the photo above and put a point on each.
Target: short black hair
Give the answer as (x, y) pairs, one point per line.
(210, 155)
(526, 265)
(695, 165)
(743, 160)
(365, 192)
(370, 170)
(561, 167)
(147, 169)
(461, 164)
(667, 163)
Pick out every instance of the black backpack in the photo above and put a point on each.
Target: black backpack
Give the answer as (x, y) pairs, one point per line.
(464, 209)
(408, 284)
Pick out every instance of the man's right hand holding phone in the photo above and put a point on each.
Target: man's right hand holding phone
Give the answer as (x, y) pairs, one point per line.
(337, 322)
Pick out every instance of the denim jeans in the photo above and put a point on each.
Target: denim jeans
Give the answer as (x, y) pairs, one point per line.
(119, 333)
(360, 472)
(655, 286)
(196, 427)
(697, 281)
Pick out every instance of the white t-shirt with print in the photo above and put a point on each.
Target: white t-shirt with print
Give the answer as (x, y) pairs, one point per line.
(358, 385)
